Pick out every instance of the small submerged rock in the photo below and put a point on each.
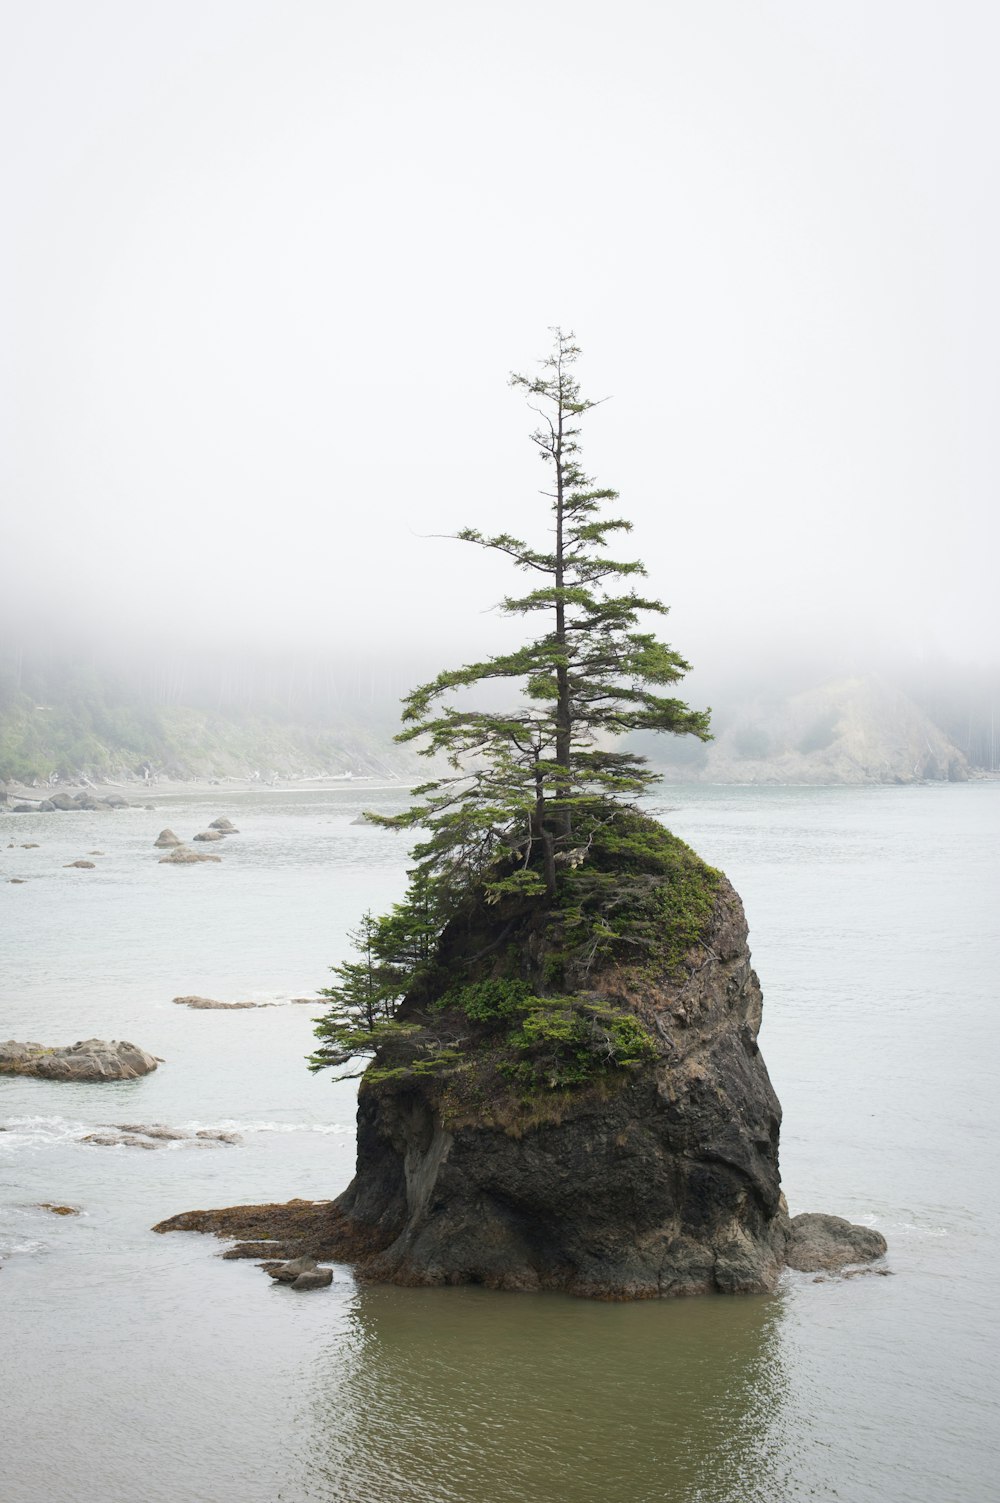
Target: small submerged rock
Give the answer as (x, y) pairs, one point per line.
(57, 1210)
(208, 1003)
(183, 857)
(226, 826)
(156, 1135)
(210, 835)
(84, 865)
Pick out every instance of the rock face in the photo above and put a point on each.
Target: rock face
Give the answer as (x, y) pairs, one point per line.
(653, 1180)
(88, 1059)
(667, 1184)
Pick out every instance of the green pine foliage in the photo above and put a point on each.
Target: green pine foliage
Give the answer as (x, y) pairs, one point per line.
(534, 815)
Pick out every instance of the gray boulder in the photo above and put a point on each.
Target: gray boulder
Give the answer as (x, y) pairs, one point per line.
(287, 1273)
(87, 865)
(46, 806)
(23, 809)
(225, 825)
(88, 1059)
(314, 1278)
(167, 838)
(825, 1244)
(62, 801)
(210, 835)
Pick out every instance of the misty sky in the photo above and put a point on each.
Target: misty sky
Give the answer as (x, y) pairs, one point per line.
(266, 267)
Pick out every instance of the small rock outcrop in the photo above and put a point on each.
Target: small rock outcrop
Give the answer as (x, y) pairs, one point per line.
(167, 839)
(822, 1244)
(84, 865)
(183, 857)
(156, 1135)
(210, 835)
(225, 825)
(209, 1004)
(88, 1059)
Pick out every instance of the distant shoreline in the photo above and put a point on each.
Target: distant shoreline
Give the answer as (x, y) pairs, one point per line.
(160, 791)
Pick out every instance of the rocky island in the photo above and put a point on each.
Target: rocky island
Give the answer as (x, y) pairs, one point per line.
(565, 1089)
(617, 1139)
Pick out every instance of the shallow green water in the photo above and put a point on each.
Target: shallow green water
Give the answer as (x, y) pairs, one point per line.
(139, 1367)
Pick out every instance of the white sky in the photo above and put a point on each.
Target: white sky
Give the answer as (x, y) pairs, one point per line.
(266, 267)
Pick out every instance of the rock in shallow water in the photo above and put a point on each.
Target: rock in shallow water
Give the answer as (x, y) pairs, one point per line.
(655, 1181)
(208, 1003)
(88, 1059)
(818, 1243)
(183, 857)
(317, 1278)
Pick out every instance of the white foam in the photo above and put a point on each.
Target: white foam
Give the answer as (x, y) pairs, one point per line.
(38, 1132)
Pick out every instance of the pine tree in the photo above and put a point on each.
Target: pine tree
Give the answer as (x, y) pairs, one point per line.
(529, 788)
(529, 785)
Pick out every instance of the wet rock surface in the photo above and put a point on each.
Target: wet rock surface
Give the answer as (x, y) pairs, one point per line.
(157, 1135)
(167, 840)
(86, 1060)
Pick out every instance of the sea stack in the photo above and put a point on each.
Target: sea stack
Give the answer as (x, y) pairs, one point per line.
(551, 1118)
(660, 1178)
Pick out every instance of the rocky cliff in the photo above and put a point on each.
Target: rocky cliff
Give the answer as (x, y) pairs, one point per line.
(660, 1179)
(618, 1140)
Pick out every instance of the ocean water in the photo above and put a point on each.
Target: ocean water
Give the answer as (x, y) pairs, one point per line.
(138, 1367)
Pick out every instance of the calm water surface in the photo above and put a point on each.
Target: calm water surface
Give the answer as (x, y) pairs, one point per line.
(139, 1367)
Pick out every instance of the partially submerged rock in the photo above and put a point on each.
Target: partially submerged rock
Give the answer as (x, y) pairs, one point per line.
(88, 1059)
(225, 825)
(57, 1210)
(210, 835)
(287, 1273)
(84, 865)
(208, 1003)
(167, 839)
(156, 1135)
(183, 857)
(824, 1244)
(313, 1278)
